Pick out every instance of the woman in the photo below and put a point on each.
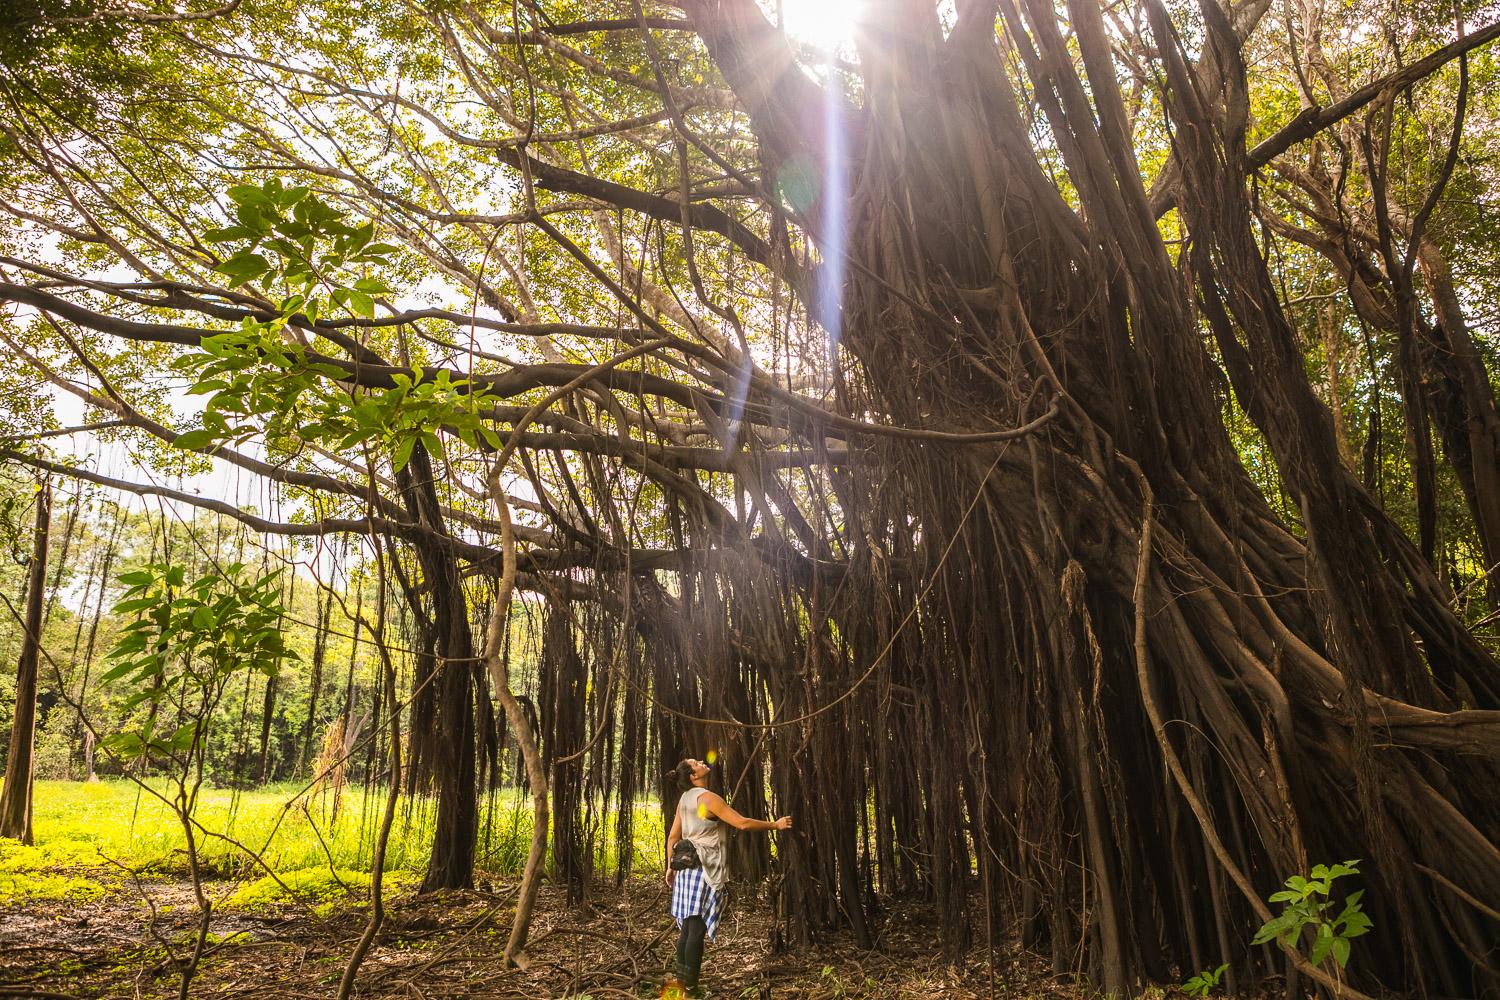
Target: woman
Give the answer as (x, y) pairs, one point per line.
(698, 893)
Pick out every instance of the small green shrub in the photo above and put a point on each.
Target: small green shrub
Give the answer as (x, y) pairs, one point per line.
(1204, 982)
(1308, 905)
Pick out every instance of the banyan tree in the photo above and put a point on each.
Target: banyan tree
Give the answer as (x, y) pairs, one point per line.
(927, 423)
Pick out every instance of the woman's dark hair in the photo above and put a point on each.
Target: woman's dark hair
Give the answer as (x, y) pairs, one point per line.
(682, 775)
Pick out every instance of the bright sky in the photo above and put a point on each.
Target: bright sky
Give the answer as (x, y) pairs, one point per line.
(827, 25)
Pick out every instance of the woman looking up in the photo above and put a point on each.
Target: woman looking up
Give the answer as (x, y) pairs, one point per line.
(698, 893)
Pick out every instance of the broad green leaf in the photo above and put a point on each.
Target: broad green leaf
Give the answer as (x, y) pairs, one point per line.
(243, 267)
(1321, 946)
(193, 440)
(116, 672)
(229, 234)
(403, 452)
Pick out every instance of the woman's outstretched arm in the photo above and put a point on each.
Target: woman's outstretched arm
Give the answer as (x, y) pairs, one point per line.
(715, 804)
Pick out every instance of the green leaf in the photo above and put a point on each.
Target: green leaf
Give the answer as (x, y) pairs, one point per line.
(124, 744)
(250, 194)
(116, 672)
(1321, 946)
(193, 440)
(244, 266)
(253, 218)
(1270, 929)
(1341, 951)
(229, 234)
(403, 452)
(139, 698)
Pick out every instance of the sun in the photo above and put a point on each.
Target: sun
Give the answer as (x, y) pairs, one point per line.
(827, 25)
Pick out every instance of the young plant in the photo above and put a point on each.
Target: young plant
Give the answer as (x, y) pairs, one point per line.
(1309, 907)
(185, 643)
(1204, 982)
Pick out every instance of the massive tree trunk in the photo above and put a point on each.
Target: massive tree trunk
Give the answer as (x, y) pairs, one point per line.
(15, 794)
(448, 673)
(1136, 722)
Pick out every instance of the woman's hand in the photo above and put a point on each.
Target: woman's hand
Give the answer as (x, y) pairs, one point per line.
(671, 876)
(784, 823)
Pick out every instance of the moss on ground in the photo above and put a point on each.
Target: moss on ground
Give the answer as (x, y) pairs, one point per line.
(320, 888)
(64, 872)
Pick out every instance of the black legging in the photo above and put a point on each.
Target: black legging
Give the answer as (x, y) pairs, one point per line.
(690, 950)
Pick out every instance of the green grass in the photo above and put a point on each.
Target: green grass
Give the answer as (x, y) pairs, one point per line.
(84, 823)
(86, 832)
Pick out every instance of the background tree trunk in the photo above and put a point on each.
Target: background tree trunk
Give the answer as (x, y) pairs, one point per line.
(15, 794)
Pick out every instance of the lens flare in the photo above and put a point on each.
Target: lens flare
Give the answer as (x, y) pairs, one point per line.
(712, 757)
(834, 217)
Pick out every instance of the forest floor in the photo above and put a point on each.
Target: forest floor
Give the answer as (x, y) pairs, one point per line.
(101, 907)
(448, 945)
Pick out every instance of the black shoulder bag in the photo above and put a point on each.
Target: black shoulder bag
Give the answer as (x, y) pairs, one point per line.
(684, 856)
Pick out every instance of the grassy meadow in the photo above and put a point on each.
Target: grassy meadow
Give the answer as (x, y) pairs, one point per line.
(93, 839)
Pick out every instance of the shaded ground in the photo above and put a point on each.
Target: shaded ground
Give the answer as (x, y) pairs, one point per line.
(449, 946)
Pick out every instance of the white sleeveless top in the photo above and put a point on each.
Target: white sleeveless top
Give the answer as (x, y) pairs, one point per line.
(707, 833)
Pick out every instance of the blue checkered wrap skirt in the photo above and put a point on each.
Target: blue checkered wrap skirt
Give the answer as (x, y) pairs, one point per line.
(692, 895)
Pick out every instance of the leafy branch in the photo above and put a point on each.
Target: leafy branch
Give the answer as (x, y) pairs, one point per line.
(262, 382)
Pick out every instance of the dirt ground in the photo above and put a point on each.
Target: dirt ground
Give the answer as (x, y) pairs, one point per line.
(449, 945)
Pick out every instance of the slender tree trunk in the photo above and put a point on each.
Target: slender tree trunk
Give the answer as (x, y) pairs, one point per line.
(59, 565)
(267, 709)
(79, 730)
(393, 793)
(536, 773)
(15, 795)
(320, 647)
